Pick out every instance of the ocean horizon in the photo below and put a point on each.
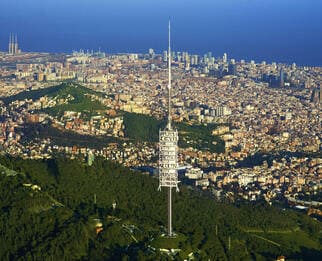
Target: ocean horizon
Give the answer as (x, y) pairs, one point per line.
(272, 31)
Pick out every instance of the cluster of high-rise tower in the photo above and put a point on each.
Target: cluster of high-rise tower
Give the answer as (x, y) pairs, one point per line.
(13, 44)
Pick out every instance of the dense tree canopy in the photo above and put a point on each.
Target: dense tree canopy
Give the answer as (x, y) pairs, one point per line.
(58, 220)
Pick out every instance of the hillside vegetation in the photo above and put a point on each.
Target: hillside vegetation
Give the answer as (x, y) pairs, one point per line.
(142, 127)
(61, 90)
(57, 221)
(138, 127)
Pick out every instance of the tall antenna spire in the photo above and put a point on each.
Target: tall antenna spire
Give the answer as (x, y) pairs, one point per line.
(169, 79)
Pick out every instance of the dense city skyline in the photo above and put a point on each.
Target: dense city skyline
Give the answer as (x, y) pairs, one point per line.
(280, 31)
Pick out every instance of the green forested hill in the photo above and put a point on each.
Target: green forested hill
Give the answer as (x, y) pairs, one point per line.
(138, 127)
(57, 222)
(65, 138)
(146, 128)
(62, 90)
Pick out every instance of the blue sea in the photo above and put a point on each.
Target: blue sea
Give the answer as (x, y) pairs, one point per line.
(271, 30)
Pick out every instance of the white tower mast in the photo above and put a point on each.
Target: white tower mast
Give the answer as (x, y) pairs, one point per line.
(168, 158)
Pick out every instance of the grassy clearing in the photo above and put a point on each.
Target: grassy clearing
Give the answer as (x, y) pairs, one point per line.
(168, 243)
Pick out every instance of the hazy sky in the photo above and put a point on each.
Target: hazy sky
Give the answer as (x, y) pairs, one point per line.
(281, 30)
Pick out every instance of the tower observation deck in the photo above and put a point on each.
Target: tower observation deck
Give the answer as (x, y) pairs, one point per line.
(168, 162)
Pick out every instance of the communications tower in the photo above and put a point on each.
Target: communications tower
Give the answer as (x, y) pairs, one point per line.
(168, 151)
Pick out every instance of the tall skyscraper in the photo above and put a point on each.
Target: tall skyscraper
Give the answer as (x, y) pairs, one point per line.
(151, 53)
(316, 95)
(165, 56)
(168, 151)
(224, 58)
(281, 78)
(232, 68)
